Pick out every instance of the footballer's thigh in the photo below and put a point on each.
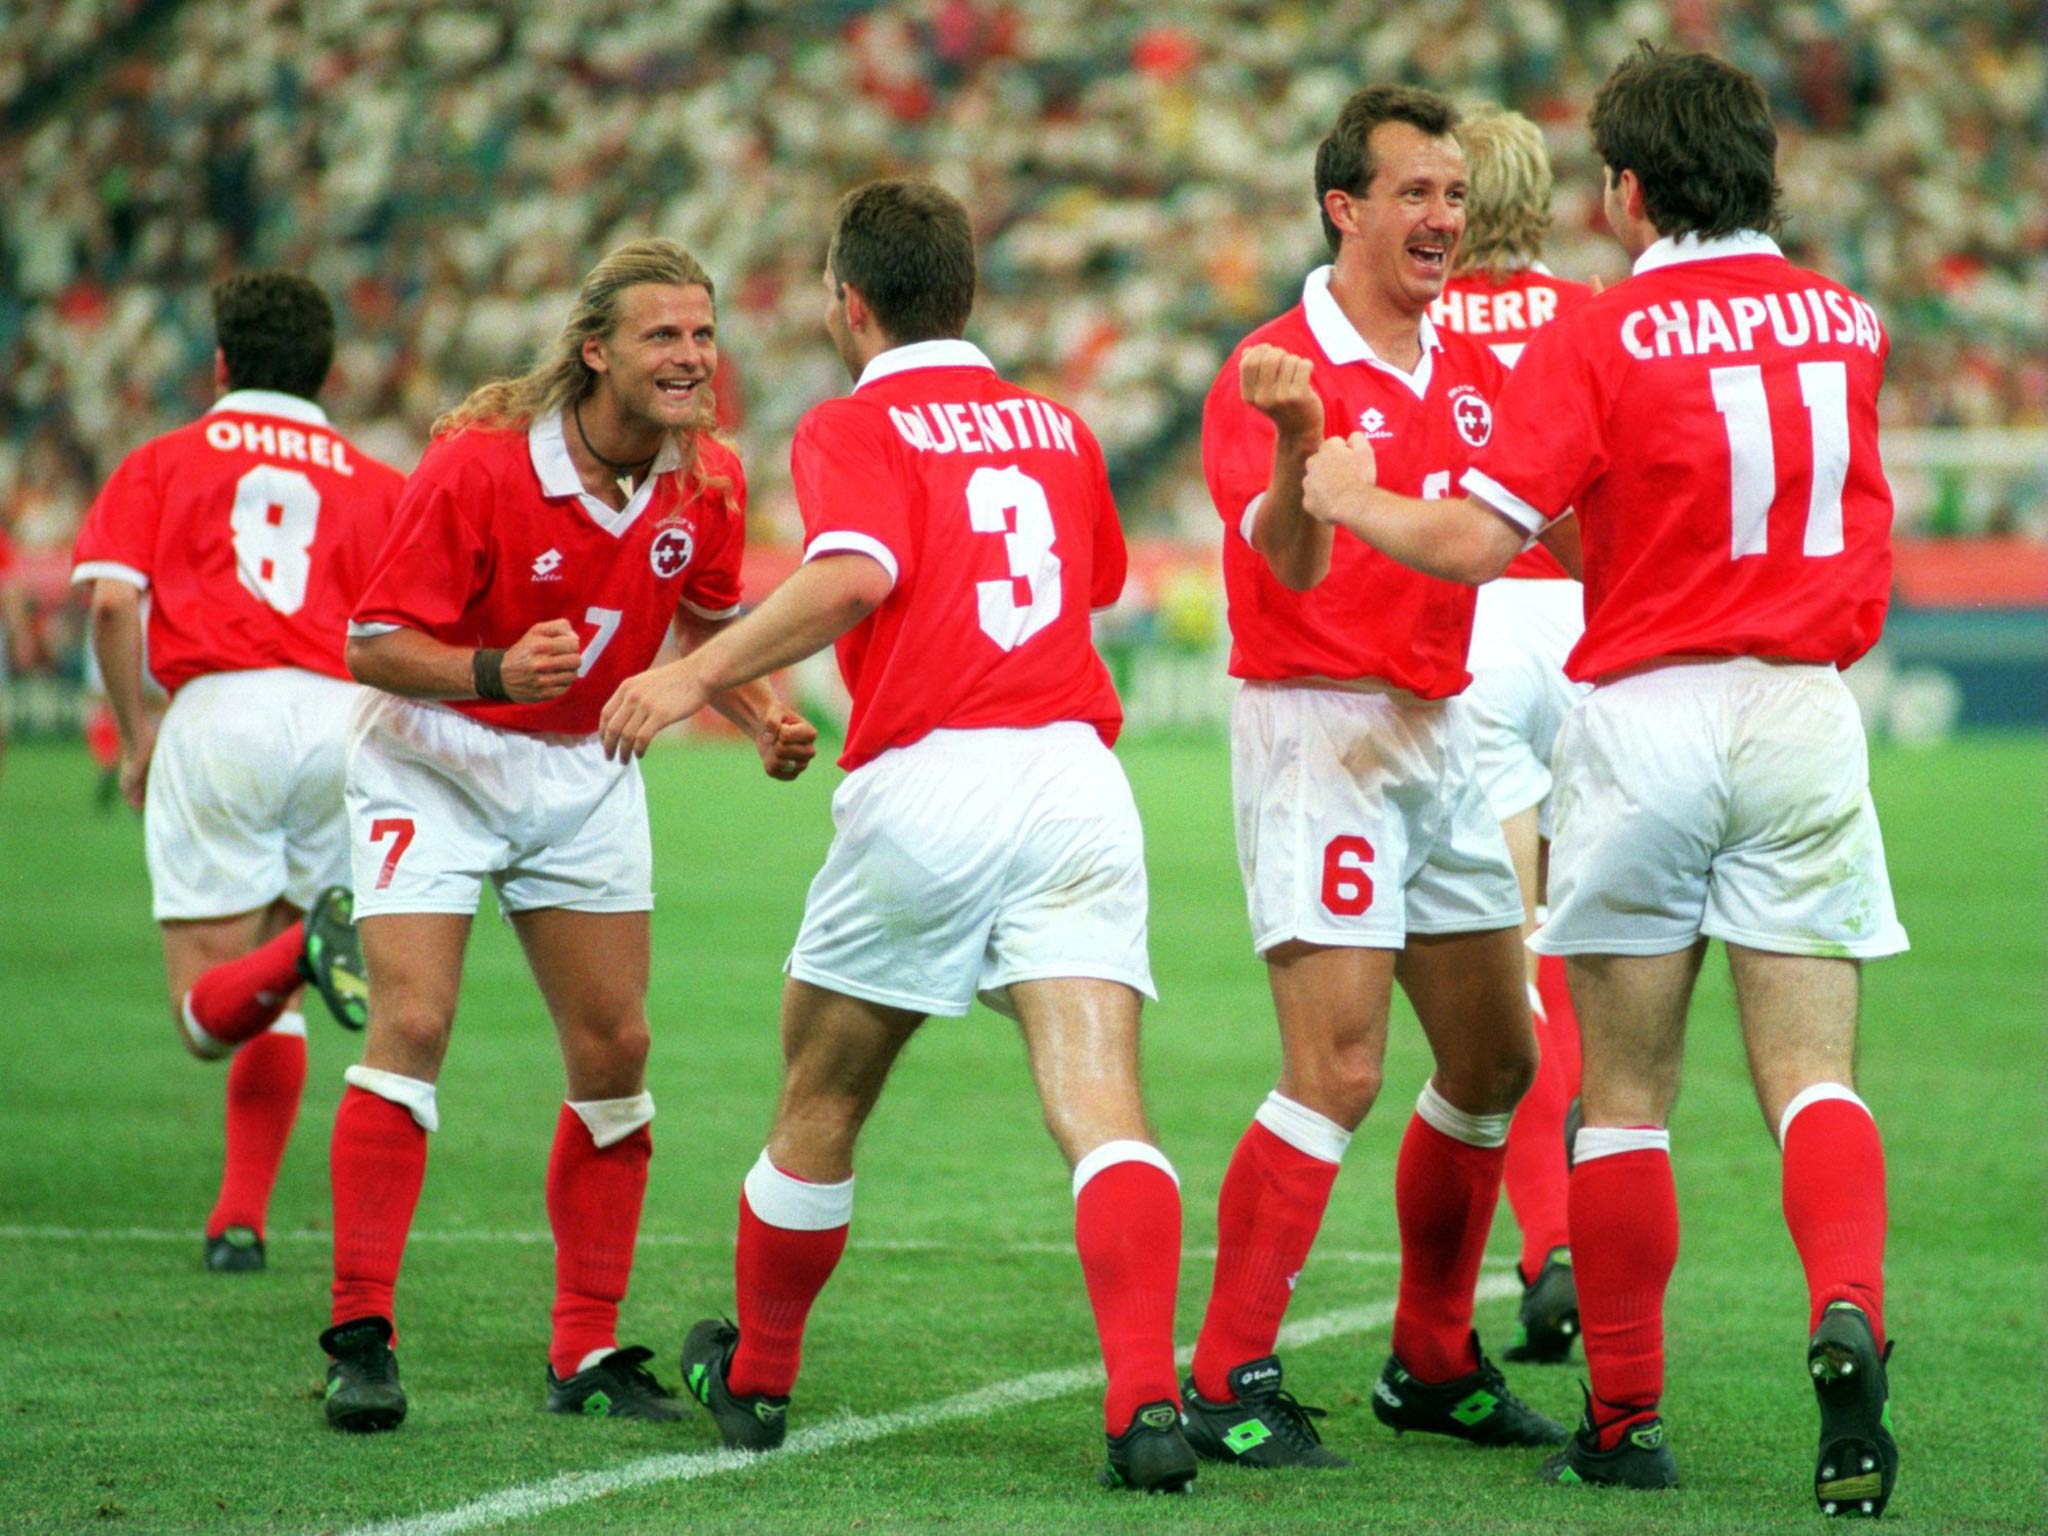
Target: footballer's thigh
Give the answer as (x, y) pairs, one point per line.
(1471, 996)
(415, 965)
(836, 1054)
(1081, 1034)
(1331, 1003)
(592, 970)
(1798, 1022)
(1632, 1011)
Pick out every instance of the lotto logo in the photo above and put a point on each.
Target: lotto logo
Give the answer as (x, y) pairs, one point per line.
(1473, 418)
(545, 567)
(1372, 421)
(671, 552)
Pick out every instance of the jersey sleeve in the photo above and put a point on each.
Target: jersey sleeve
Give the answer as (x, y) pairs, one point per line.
(1110, 559)
(711, 590)
(435, 561)
(1237, 450)
(1549, 437)
(118, 539)
(847, 490)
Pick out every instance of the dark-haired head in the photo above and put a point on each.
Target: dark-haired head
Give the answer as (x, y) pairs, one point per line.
(908, 247)
(1698, 134)
(1344, 160)
(275, 330)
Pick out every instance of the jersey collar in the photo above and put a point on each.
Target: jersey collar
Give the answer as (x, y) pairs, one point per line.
(271, 402)
(1672, 249)
(549, 450)
(923, 354)
(1341, 343)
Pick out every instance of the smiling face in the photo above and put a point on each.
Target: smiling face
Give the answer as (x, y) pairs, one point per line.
(656, 365)
(1402, 231)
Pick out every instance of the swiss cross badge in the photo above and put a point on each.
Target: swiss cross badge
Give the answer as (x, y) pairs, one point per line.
(671, 551)
(1473, 417)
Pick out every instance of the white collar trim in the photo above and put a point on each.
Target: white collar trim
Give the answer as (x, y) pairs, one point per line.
(549, 450)
(923, 354)
(1672, 249)
(1341, 343)
(271, 402)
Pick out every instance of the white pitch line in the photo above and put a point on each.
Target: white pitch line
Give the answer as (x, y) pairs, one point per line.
(529, 1499)
(647, 1240)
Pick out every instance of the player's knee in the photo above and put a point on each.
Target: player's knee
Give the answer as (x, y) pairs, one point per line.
(1493, 1081)
(1341, 1086)
(414, 1027)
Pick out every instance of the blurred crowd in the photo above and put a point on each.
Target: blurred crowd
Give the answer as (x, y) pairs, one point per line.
(1141, 176)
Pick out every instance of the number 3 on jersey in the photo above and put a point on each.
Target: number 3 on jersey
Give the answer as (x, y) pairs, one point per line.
(276, 513)
(1015, 608)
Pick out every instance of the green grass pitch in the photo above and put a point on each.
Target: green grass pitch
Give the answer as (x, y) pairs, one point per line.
(138, 1393)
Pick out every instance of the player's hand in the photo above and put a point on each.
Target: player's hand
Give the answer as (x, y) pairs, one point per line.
(542, 663)
(1338, 472)
(1276, 383)
(647, 704)
(787, 742)
(135, 770)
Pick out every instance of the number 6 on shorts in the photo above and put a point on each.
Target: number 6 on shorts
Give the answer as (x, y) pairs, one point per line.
(1347, 888)
(399, 829)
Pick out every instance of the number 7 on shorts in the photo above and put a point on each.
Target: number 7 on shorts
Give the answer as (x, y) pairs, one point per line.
(400, 830)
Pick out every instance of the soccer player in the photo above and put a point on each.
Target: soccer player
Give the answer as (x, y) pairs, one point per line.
(1368, 852)
(1714, 422)
(250, 531)
(958, 532)
(1523, 627)
(558, 524)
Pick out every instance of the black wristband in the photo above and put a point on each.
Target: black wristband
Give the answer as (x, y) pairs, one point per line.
(487, 671)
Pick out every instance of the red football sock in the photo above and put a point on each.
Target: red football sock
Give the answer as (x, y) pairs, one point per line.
(1445, 1191)
(594, 1200)
(777, 1272)
(264, 1083)
(1563, 1019)
(1267, 1217)
(1535, 1175)
(1624, 1215)
(378, 1162)
(1835, 1206)
(1127, 1228)
(238, 999)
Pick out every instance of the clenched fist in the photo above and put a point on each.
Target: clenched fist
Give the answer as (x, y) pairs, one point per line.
(787, 742)
(1338, 472)
(1276, 383)
(542, 663)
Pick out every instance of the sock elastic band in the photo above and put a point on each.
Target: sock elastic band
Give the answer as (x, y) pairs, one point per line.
(611, 1121)
(408, 1093)
(1461, 1125)
(1597, 1141)
(782, 1200)
(1111, 1153)
(1302, 1128)
(1817, 1093)
(204, 1043)
(292, 1023)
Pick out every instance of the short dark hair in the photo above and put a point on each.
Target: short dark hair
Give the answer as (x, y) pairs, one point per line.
(907, 245)
(276, 330)
(1697, 132)
(1344, 158)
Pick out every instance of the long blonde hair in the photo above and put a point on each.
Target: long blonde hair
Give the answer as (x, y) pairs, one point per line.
(1507, 191)
(561, 377)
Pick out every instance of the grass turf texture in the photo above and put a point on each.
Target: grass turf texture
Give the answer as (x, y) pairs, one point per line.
(143, 1394)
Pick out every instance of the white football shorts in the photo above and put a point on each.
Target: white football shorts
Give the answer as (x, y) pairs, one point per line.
(1522, 631)
(244, 797)
(969, 860)
(1360, 819)
(438, 803)
(1729, 798)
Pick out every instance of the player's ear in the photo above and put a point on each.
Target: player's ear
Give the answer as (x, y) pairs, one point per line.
(594, 355)
(858, 315)
(1632, 194)
(220, 370)
(1337, 204)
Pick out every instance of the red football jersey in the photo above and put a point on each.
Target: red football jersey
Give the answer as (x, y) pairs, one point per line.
(990, 507)
(1370, 617)
(1714, 421)
(252, 530)
(1505, 313)
(496, 534)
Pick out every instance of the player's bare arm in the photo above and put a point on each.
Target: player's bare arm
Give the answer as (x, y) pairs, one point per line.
(116, 620)
(818, 604)
(785, 739)
(1276, 383)
(540, 666)
(1458, 539)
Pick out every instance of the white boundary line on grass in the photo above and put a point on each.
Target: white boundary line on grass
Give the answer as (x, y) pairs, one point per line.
(647, 1240)
(529, 1499)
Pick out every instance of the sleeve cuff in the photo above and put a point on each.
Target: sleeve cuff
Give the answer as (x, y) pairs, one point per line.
(846, 542)
(713, 615)
(1251, 516)
(108, 570)
(365, 629)
(1483, 487)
